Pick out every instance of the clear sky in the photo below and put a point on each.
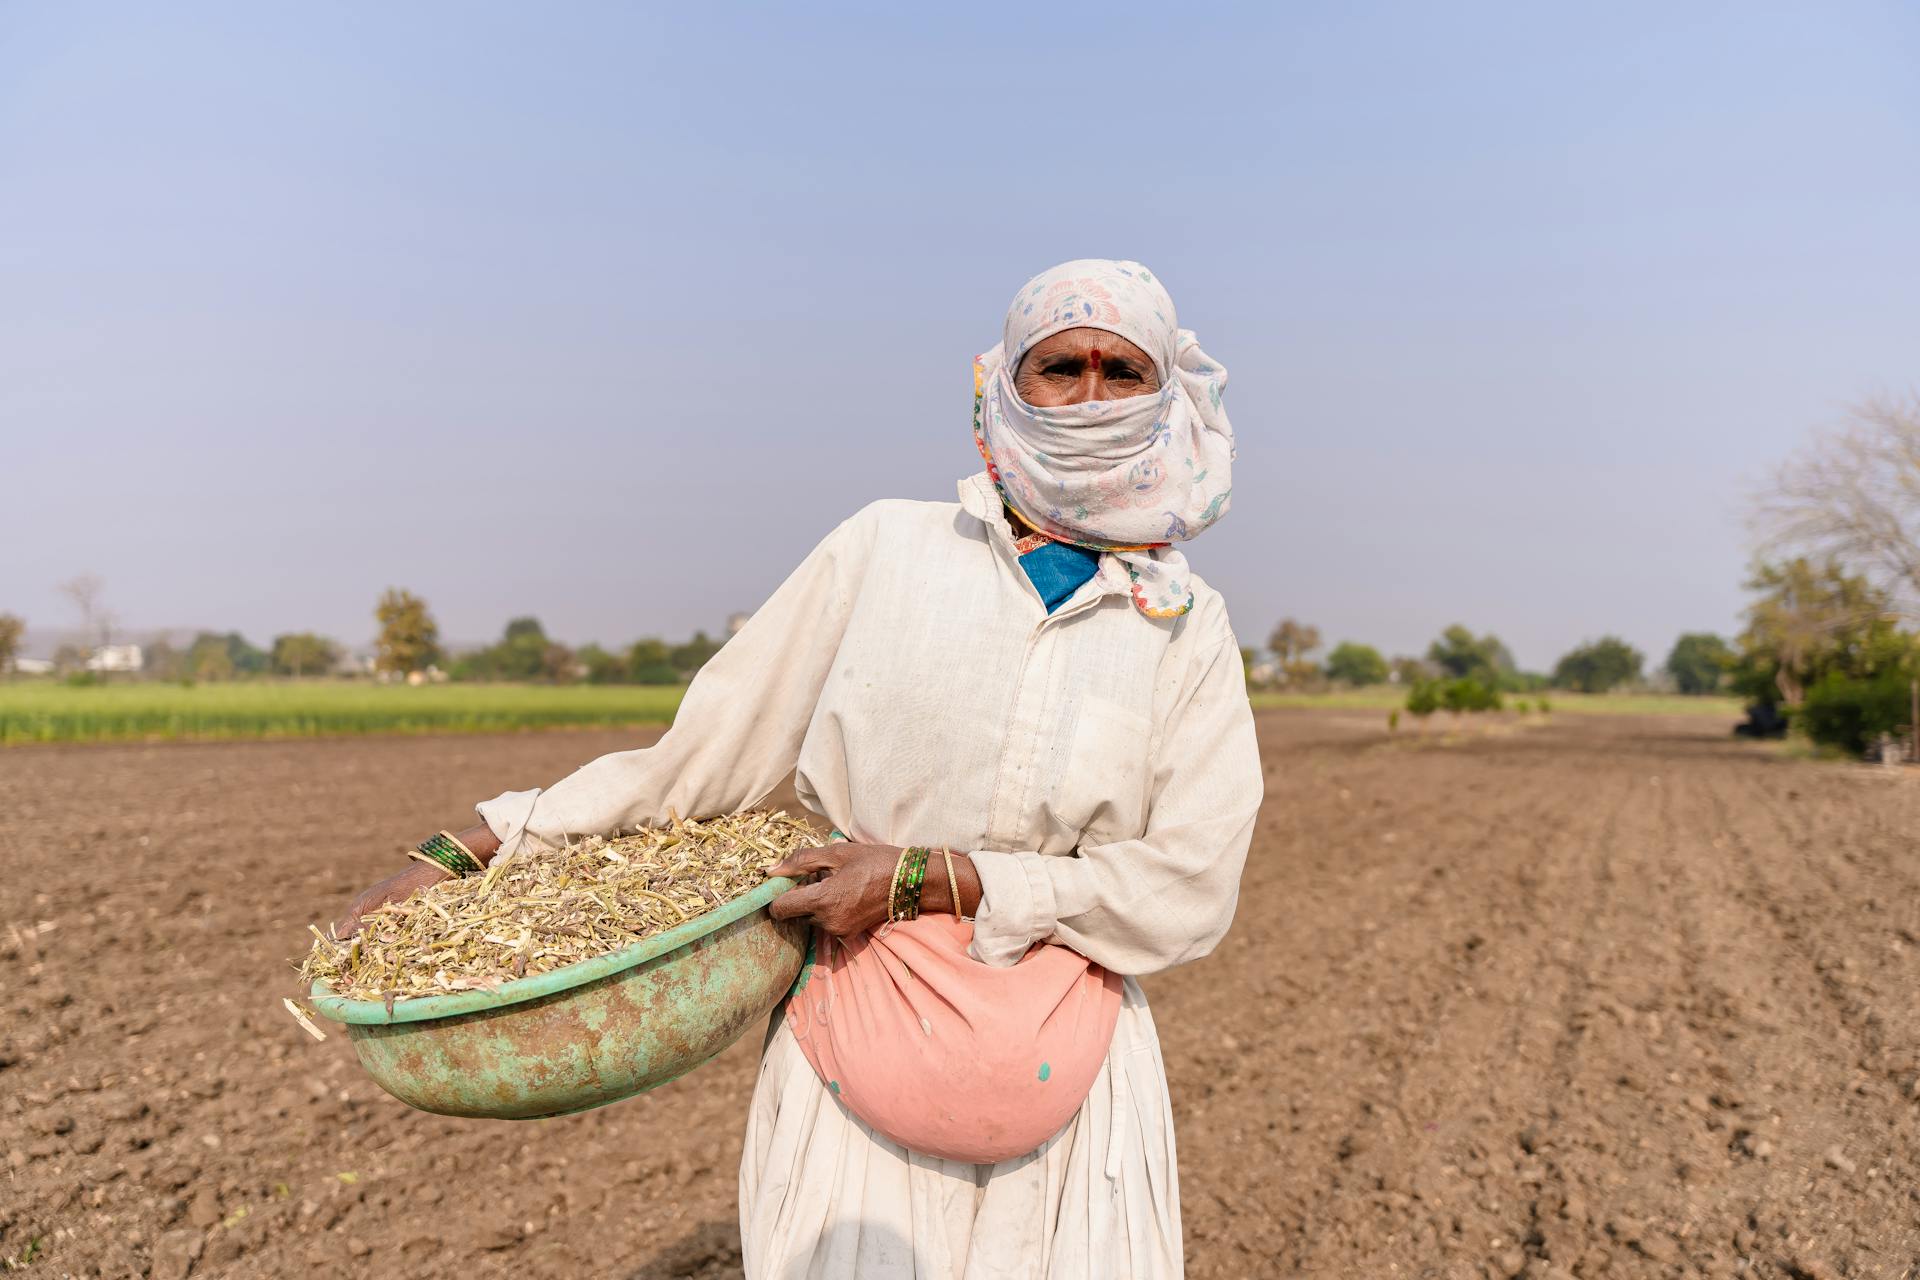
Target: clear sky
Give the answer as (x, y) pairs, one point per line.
(607, 313)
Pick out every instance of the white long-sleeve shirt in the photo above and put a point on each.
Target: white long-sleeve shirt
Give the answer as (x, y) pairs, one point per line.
(1099, 764)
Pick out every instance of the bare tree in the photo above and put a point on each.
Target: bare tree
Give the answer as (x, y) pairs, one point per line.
(1805, 619)
(409, 638)
(11, 629)
(1853, 495)
(84, 590)
(1291, 642)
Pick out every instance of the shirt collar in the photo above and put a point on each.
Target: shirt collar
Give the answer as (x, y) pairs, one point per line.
(981, 500)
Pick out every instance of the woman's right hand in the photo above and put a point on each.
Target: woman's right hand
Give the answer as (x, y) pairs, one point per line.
(396, 888)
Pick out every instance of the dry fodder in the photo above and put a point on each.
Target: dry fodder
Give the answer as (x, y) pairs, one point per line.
(534, 913)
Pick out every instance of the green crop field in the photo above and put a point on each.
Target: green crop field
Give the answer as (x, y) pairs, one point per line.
(39, 711)
(45, 712)
(1385, 698)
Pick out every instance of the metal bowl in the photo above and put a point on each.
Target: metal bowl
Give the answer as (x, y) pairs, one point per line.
(588, 1034)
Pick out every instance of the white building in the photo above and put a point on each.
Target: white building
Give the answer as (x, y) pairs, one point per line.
(32, 667)
(116, 657)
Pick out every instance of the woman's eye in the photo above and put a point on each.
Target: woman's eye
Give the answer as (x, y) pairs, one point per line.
(1124, 374)
(1061, 369)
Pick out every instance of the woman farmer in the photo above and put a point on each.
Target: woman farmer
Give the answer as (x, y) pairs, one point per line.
(1028, 717)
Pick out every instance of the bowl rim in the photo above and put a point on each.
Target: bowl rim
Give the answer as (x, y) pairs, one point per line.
(519, 990)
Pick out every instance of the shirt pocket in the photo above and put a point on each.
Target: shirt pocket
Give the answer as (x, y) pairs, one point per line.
(1101, 793)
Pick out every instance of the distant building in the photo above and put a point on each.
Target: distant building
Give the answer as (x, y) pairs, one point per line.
(32, 667)
(735, 622)
(116, 657)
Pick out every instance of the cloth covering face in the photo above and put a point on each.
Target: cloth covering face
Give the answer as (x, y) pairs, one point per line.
(1127, 476)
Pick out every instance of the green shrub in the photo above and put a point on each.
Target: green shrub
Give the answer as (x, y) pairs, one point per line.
(1393, 721)
(1356, 664)
(1469, 694)
(1852, 712)
(1598, 666)
(1699, 662)
(1424, 698)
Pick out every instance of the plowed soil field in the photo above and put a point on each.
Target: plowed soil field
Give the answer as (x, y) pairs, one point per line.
(1600, 997)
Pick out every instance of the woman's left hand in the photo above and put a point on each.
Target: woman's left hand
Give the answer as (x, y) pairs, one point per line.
(851, 893)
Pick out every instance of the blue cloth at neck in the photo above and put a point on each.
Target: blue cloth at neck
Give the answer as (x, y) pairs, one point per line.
(1057, 570)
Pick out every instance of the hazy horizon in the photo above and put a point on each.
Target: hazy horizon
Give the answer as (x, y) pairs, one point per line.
(606, 315)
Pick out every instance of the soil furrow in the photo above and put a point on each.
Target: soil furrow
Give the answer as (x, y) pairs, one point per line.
(1603, 997)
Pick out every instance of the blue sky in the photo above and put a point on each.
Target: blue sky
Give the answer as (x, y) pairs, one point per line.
(606, 314)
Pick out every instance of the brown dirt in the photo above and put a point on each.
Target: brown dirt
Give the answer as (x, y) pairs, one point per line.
(1604, 998)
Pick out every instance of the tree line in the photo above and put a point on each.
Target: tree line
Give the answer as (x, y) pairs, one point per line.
(1830, 638)
(1697, 664)
(1823, 648)
(408, 646)
(409, 643)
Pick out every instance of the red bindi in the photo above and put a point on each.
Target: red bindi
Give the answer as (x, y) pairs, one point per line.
(1094, 356)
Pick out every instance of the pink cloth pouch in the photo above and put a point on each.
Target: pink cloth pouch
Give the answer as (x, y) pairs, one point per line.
(947, 1056)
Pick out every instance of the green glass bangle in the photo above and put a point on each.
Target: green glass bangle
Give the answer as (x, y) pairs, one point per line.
(448, 852)
(467, 857)
(434, 860)
(912, 882)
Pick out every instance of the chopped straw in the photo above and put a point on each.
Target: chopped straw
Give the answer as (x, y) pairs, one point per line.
(535, 912)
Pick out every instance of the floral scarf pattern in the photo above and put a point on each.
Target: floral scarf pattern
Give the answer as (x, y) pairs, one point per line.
(1127, 477)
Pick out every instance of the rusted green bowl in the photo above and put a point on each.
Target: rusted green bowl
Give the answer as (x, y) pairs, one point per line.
(586, 1035)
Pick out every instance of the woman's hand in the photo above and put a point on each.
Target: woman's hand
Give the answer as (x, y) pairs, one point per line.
(851, 894)
(480, 842)
(397, 888)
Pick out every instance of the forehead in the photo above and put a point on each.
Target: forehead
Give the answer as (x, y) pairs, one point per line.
(1080, 341)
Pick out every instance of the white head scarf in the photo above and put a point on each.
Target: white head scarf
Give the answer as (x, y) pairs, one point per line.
(1123, 476)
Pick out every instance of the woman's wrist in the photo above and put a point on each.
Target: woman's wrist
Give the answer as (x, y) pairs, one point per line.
(480, 842)
(953, 886)
(464, 853)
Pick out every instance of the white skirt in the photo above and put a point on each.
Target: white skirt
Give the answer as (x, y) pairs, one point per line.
(823, 1197)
